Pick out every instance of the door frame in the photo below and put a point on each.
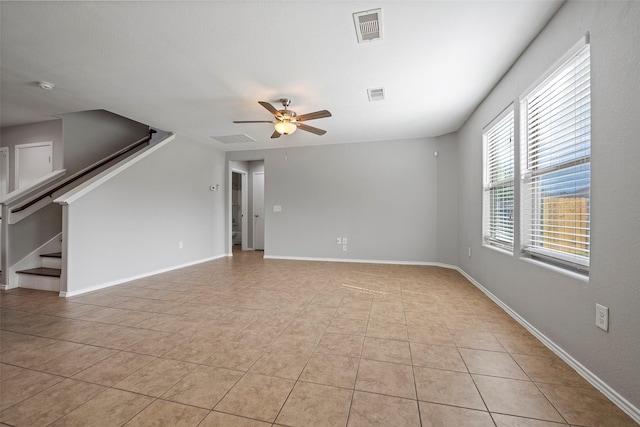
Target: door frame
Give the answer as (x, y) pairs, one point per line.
(244, 207)
(4, 160)
(19, 147)
(264, 221)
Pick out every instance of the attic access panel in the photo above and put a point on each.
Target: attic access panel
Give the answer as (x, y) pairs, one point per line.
(368, 25)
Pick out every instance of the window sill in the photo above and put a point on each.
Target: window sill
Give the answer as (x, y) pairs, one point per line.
(573, 274)
(498, 249)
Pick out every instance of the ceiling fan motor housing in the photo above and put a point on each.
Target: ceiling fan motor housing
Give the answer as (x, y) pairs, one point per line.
(286, 115)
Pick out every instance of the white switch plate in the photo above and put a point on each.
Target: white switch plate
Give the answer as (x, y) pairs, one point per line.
(180, 245)
(338, 241)
(602, 317)
(277, 208)
(344, 248)
(344, 240)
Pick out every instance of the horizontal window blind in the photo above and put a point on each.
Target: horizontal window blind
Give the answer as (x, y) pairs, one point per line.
(557, 174)
(498, 187)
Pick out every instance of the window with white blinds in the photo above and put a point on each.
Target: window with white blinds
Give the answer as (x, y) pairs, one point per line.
(498, 183)
(556, 158)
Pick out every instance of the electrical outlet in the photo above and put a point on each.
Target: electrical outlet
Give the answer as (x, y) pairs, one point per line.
(338, 241)
(344, 248)
(344, 240)
(602, 317)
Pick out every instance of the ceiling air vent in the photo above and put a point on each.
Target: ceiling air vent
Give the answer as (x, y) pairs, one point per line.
(368, 25)
(376, 94)
(233, 139)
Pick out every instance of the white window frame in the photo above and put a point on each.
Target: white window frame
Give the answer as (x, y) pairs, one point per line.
(498, 140)
(536, 177)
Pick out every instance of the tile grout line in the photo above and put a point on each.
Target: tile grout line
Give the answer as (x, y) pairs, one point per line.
(355, 382)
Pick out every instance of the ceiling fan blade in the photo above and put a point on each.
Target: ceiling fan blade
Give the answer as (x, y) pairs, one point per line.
(311, 129)
(275, 135)
(253, 121)
(271, 108)
(315, 115)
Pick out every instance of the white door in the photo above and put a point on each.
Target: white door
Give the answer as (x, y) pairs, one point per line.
(4, 172)
(258, 211)
(33, 161)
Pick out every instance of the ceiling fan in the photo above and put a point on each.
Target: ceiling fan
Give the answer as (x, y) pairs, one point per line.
(287, 121)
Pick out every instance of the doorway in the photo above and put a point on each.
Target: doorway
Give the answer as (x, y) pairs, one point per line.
(239, 206)
(245, 186)
(33, 161)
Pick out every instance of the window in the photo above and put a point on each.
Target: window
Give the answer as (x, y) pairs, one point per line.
(556, 158)
(498, 182)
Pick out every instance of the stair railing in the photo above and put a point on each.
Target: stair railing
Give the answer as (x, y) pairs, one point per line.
(73, 178)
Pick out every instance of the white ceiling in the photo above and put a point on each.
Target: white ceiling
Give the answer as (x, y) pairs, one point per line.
(194, 67)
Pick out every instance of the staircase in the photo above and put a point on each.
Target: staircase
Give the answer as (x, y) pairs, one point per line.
(38, 265)
(45, 278)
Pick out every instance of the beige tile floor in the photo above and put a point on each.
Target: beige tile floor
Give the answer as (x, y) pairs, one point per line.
(244, 341)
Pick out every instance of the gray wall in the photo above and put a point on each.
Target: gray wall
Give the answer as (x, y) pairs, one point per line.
(131, 224)
(11, 136)
(562, 307)
(382, 196)
(447, 161)
(90, 136)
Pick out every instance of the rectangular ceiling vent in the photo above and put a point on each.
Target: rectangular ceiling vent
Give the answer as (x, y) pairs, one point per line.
(368, 25)
(233, 139)
(376, 94)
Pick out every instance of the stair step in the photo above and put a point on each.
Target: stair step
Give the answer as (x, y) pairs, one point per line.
(42, 271)
(52, 255)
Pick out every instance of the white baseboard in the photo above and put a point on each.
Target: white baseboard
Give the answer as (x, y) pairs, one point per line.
(361, 261)
(137, 277)
(622, 403)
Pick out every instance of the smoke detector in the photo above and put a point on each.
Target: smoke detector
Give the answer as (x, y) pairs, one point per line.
(46, 85)
(368, 25)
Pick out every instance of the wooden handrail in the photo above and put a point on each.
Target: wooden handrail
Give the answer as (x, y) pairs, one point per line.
(86, 172)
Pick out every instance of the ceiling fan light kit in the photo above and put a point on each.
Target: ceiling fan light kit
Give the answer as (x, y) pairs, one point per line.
(287, 121)
(285, 127)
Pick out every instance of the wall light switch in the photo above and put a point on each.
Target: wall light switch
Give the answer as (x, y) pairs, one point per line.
(344, 248)
(338, 241)
(344, 240)
(277, 208)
